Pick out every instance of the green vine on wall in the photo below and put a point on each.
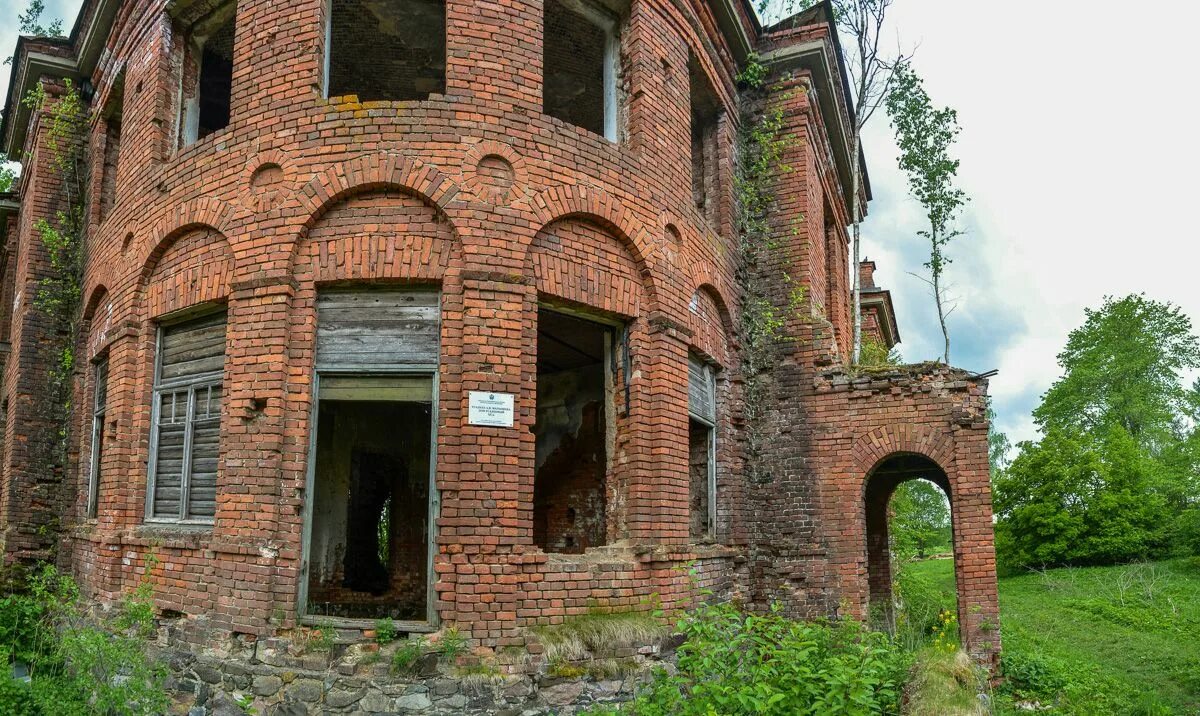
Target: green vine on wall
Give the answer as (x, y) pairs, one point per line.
(59, 294)
(761, 147)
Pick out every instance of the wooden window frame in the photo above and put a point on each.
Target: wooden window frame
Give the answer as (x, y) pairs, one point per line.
(189, 385)
(99, 415)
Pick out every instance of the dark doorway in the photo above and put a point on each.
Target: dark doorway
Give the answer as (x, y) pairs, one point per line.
(369, 540)
(572, 432)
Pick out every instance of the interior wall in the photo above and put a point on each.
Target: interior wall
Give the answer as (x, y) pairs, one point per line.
(569, 496)
(382, 50)
(698, 472)
(573, 67)
(369, 453)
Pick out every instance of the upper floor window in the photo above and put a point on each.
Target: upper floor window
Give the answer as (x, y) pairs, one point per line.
(386, 49)
(706, 111)
(206, 87)
(185, 442)
(112, 148)
(579, 65)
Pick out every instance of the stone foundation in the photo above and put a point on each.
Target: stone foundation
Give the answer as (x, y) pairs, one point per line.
(301, 674)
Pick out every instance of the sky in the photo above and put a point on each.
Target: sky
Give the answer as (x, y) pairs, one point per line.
(1075, 146)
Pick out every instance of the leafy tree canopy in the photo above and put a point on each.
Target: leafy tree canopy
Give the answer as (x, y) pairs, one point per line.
(1123, 367)
(920, 519)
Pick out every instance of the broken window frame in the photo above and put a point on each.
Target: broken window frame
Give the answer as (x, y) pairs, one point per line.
(609, 24)
(189, 386)
(193, 46)
(709, 421)
(616, 359)
(423, 370)
(99, 415)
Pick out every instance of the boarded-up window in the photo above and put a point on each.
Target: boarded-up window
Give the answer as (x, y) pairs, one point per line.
(377, 330)
(99, 411)
(185, 445)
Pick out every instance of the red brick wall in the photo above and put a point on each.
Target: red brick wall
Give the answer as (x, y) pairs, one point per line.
(478, 192)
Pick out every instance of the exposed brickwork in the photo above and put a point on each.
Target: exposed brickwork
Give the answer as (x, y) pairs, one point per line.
(474, 190)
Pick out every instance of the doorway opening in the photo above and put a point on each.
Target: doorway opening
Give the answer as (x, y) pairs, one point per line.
(910, 532)
(574, 429)
(370, 524)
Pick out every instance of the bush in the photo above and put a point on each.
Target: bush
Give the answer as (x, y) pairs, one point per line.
(921, 603)
(734, 662)
(78, 662)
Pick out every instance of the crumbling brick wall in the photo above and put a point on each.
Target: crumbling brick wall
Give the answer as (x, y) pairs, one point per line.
(476, 192)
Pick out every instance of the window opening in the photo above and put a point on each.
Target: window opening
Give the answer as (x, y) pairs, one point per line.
(579, 61)
(207, 81)
(185, 445)
(573, 432)
(99, 412)
(705, 120)
(386, 50)
(702, 446)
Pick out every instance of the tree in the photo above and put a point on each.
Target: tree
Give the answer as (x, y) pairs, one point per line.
(872, 72)
(7, 177)
(920, 519)
(1123, 367)
(30, 23)
(924, 135)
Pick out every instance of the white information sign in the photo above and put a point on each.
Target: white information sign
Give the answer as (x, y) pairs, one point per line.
(492, 409)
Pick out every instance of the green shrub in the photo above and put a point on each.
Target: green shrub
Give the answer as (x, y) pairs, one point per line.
(921, 601)
(385, 631)
(79, 663)
(734, 663)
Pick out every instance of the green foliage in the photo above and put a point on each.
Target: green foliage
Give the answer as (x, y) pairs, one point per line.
(385, 631)
(322, 637)
(1116, 476)
(8, 176)
(598, 634)
(79, 662)
(1076, 499)
(733, 663)
(920, 519)
(1095, 640)
(874, 355)
(1123, 367)
(922, 601)
(30, 23)
(453, 645)
(407, 654)
(924, 135)
(945, 683)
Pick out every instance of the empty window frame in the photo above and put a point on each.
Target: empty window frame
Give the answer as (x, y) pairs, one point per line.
(392, 50)
(99, 414)
(185, 442)
(112, 149)
(575, 369)
(705, 113)
(702, 448)
(579, 65)
(206, 82)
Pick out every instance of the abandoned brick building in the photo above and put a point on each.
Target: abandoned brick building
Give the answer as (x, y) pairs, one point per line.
(432, 310)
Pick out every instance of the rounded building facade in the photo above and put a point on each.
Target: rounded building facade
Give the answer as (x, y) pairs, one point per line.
(298, 313)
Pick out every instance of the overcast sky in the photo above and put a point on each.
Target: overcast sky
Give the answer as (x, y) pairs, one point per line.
(1074, 143)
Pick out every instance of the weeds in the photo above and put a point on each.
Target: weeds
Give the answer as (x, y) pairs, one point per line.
(385, 631)
(407, 654)
(587, 635)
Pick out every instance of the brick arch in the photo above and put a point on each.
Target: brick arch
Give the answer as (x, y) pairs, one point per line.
(411, 239)
(875, 446)
(593, 205)
(371, 172)
(203, 274)
(702, 333)
(202, 213)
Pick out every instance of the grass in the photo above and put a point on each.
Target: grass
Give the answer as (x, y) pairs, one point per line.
(588, 635)
(945, 684)
(1098, 640)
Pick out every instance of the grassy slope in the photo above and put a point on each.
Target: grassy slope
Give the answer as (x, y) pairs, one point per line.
(1106, 639)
